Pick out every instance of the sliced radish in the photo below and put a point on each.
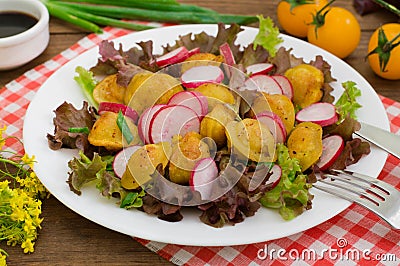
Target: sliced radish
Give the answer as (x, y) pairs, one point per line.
(121, 159)
(116, 107)
(226, 51)
(144, 122)
(175, 56)
(259, 68)
(203, 100)
(320, 113)
(332, 146)
(263, 83)
(192, 100)
(204, 172)
(286, 85)
(275, 125)
(199, 75)
(171, 120)
(275, 177)
(273, 180)
(194, 51)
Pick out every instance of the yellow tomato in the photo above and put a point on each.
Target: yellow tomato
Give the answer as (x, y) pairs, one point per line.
(392, 69)
(295, 19)
(339, 33)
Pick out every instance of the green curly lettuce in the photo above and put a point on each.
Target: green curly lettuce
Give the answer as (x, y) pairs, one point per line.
(347, 104)
(267, 36)
(291, 196)
(87, 82)
(85, 170)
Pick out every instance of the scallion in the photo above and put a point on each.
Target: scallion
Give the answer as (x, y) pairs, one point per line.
(152, 5)
(102, 20)
(58, 13)
(123, 126)
(388, 6)
(88, 14)
(84, 130)
(163, 16)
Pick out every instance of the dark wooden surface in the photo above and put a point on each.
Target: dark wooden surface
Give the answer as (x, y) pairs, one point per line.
(69, 239)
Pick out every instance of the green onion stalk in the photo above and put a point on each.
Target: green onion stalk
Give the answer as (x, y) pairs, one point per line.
(388, 6)
(92, 14)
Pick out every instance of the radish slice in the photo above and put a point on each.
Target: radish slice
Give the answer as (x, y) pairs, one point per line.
(226, 51)
(332, 146)
(273, 180)
(286, 85)
(116, 107)
(175, 56)
(171, 120)
(144, 122)
(192, 100)
(204, 172)
(121, 160)
(276, 173)
(203, 100)
(194, 51)
(320, 113)
(275, 125)
(199, 75)
(263, 83)
(260, 68)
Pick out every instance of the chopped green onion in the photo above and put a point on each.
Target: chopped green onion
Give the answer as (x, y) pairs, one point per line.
(123, 126)
(79, 130)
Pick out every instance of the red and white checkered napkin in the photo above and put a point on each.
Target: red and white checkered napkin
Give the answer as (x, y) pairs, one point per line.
(355, 236)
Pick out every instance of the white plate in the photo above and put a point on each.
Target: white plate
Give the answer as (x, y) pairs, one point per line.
(51, 166)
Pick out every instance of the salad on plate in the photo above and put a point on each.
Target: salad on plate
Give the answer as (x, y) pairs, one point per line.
(208, 125)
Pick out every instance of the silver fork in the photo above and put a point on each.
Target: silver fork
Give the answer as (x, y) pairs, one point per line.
(371, 193)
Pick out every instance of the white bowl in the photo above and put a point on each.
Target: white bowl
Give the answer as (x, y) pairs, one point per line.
(21, 48)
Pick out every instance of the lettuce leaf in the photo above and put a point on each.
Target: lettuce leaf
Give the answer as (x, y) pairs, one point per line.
(347, 104)
(291, 196)
(84, 171)
(87, 82)
(268, 35)
(67, 116)
(133, 200)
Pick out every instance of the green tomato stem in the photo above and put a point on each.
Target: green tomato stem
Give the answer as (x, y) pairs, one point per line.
(319, 17)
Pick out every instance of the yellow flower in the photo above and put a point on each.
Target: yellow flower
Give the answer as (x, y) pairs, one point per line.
(18, 215)
(27, 245)
(3, 261)
(20, 203)
(4, 185)
(28, 160)
(3, 257)
(28, 227)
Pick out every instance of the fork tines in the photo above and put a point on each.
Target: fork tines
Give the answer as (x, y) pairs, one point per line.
(374, 194)
(359, 184)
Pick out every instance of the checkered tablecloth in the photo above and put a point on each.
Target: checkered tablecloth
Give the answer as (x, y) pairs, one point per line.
(355, 234)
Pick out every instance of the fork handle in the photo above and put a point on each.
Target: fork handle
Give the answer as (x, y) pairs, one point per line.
(386, 140)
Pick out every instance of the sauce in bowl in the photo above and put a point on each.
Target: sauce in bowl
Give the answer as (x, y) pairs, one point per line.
(13, 23)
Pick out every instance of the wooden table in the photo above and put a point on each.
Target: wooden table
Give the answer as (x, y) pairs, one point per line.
(68, 239)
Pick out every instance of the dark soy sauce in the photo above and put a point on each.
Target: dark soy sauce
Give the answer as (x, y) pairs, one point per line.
(13, 23)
